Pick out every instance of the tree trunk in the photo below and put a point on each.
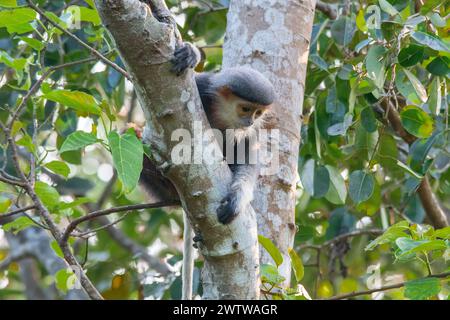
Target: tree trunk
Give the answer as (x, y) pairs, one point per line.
(170, 103)
(273, 37)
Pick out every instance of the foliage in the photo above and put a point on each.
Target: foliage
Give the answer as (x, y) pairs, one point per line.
(366, 60)
(356, 172)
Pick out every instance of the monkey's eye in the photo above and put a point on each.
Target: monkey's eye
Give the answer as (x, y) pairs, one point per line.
(246, 109)
(258, 113)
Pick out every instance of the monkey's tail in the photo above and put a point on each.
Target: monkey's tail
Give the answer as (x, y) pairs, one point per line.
(188, 260)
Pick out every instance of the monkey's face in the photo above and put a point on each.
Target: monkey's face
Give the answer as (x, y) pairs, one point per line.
(232, 112)
(249, 114)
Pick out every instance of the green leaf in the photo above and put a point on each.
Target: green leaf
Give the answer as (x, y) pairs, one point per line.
(365, 86)
(33, 43)
(368, 119)
(127, 153)
(387, 7)
(371, 205)
(437, 20)
(420, 90)
(390, 235)
(430, 5)
(409, 246)
(8, 3)
(48, 195)
(366, 142)
(419, 150)
(430, 41)
(410, 55)
(337, 193)
(57, 249)
(421, 289)
(361, 186)
(333, 104)
(305, 233)
(65, 280)
(361, 22)
(417, 122)
(339, 222)
(17, 20)
(74, 203)
(376, 65)
(18, 224)
(297, 265)
(315, 179)
(77, 140)
(439, 66)
(27, 142)
(78, 100)
(271, 249)
(85, 14)
(406, 88)
(342, 30)
(387, 153)
(409, 170)
(443, 233)
(435, 100)
(58, 167)
(5, 203)
(270, 274)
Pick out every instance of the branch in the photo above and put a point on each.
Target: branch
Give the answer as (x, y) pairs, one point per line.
(12, 182)
(100, 213)
(136, 249)
(429, 201)
(14, 212)
(34, 242)
(17, 113)
(81, 42)
(385, 288)
(326, 9)
(52, 226)
(341, 237)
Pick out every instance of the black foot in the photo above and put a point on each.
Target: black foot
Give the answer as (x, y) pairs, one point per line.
(228, 209)
(184, 57)
(197, 239)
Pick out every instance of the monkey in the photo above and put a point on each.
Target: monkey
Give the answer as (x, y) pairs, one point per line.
(236, 98)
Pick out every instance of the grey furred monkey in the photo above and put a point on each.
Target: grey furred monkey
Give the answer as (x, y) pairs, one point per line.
(236, 98)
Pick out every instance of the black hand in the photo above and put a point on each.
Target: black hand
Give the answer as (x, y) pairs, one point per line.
(228, 209)
(184, 57)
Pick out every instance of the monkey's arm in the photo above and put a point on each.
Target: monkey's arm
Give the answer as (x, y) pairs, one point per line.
(186, 56)
(240, 194)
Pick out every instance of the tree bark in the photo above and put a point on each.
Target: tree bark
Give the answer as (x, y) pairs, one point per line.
(170, 103)
(273, 37)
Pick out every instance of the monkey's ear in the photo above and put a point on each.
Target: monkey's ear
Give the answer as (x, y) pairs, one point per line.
(225, 92)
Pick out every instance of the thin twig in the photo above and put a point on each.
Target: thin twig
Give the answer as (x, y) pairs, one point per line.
(385, 288)
(326, 9)
(45, 215)
(105, 226)
(14, 212)
(17, 113)
(81, 42)
(100, 213)
(340, 238)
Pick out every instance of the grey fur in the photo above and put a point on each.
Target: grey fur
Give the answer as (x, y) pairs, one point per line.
(245, 83)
